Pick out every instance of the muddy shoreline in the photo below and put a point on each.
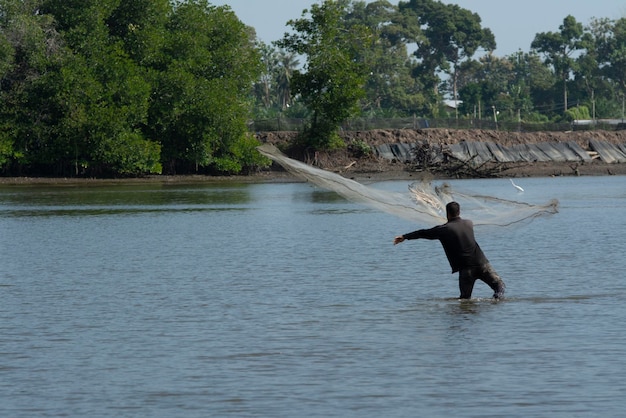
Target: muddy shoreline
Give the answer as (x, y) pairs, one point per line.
(277, 175)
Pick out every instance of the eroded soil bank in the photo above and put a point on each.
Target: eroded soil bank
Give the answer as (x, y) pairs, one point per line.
(353, 163)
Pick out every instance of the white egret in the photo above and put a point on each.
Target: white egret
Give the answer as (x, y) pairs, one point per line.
(516, 186)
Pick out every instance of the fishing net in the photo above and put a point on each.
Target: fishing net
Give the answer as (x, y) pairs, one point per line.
(423, 203)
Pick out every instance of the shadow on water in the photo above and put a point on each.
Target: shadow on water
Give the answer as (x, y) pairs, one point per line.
(564, 299)
(476, 305)
(511, 299)
(455, 305)
(470, 306)
(109, 211)
(122, 200)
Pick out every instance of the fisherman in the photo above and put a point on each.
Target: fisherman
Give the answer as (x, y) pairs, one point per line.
(463, 252)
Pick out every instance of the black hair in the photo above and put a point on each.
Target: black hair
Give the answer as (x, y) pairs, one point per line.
(453, 210)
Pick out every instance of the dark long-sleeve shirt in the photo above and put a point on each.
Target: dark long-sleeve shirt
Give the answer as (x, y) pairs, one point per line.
(457, 238)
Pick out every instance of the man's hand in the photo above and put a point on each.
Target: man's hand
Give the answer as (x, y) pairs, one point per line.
(398, 239)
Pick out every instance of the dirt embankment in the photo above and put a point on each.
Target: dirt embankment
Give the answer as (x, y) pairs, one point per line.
(351, 163)
(354, 164)
(453, 136)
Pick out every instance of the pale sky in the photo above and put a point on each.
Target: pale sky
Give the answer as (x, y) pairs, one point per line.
(514, 23)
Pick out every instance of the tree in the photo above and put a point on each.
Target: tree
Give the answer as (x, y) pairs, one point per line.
(265, 85)
(287, 65)
(479, 92)
(202, 85)
(7, 150)
(99, 96)
(273, 90)
(390, 89)
(452, 35)
(140, 26)
(110, 87)
(334, 74)
(559, 48)
(531, 85)
(612, 56)
(31, 50)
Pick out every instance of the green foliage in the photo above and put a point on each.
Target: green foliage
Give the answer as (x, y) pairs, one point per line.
(559, 48)
(324, 136)
(390, 88)
(450, 35)
(243, 156)
(140, 26)
(8, 150)
(129, 154)
(612, 53)
(536, 117)
(577, 113)
(361, 148)
(200, 105)
(331, 84)
(110, 87)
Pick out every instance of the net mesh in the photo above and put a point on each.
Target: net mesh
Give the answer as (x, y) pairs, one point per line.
(423, 203)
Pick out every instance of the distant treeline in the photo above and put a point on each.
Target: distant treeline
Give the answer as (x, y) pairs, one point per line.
(424, 51)
(125, 88)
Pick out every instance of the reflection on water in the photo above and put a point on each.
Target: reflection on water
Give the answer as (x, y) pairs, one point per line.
(284, 300)
(109, 200)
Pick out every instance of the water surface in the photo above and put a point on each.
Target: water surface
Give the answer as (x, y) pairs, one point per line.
(284, 300)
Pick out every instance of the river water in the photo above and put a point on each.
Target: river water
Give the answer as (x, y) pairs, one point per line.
(284, 300)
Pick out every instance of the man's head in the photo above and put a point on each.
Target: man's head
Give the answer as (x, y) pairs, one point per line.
(453, 210)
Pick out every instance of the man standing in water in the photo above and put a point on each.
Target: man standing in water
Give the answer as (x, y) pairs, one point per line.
(464, 254)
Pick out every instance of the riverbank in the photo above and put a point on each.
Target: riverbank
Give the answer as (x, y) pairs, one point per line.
(352, 163)
(367, 173)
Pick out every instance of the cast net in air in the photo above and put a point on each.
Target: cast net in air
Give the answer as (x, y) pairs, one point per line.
(423, 203)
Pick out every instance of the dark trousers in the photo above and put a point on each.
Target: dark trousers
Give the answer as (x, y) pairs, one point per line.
(486, 273)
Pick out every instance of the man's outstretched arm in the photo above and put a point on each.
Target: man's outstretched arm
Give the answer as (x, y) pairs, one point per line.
(432, 233)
